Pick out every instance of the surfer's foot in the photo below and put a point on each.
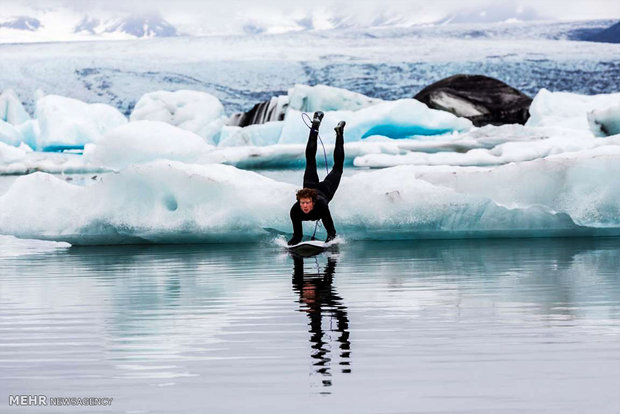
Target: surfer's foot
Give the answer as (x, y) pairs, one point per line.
(340, 128)
(330, 238)
(293, 241)
(318, 117)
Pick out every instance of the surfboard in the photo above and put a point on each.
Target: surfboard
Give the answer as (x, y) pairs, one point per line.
(309, 248)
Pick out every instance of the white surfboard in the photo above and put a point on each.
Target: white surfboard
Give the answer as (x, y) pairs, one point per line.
(310, 247)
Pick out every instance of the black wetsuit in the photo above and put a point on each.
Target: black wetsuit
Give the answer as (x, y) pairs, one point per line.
(325, 189)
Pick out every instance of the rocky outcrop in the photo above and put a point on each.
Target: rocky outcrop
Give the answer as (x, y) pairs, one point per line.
(609, 35)
(481, 99)
(271, 110)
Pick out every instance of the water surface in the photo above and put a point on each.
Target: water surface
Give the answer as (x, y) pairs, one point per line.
(497, 326)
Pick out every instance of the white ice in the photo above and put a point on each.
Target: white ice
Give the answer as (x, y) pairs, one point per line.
(605, 122)
(393, 119)
(14, 247)
(69, 123)
(11, 108)
(170, 201)
(195, 111)
(143, 141)
(567, 110)
(305, 98)
(490, 145)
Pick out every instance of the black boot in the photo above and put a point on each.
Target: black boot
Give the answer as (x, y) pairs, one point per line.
(340, 128)
(318, 117)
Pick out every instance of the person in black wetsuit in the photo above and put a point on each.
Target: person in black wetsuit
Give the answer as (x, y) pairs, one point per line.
(313, 199)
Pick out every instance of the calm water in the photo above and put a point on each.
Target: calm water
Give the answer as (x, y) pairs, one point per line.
(504, 326)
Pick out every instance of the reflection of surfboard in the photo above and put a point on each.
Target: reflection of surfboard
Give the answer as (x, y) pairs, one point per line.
(309, 248)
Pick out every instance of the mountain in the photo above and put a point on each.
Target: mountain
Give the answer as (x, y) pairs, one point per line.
(22, 23)
(609, 35)
(143, 26)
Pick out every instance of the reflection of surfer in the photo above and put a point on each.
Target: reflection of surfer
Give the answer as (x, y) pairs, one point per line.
(312, 200)
(318, 299)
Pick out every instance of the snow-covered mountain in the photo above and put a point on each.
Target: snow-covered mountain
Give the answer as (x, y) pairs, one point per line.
(64, 23)
(67, 25)
(138, 26)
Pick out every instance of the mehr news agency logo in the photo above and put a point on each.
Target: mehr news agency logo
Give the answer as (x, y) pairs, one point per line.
(44, 400)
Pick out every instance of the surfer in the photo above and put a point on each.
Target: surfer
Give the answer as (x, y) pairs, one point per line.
(314, 197)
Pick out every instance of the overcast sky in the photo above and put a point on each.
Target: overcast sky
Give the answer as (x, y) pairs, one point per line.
(420, 11)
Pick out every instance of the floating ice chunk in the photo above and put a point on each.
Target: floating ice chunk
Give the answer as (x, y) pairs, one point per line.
(581, 184)
(258, 135)
(8, 153)
(51, 162)
(9, 134)
(142, 141)
(394, 119)
(567, 110)
(13, 247)
(30, 132)
(162, 201)
(69, 123)
(476, 149)
(307, 98)
(605, 122)
(198, 112)
(168, 201)
(11, 108)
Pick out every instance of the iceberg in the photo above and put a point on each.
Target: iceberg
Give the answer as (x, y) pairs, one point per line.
(11, 108)
(143, 141)
(605, 122)
(9, 153)
(567, 110)
(486, 147)
(198, 112)
(14, 247)
(67, 123)
(174, 202)
(251, 135)
(403, 118)
(305, 98)
(9, 134)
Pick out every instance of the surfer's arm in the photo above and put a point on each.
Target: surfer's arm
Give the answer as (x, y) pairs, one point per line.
(328, 223)
(298, 230)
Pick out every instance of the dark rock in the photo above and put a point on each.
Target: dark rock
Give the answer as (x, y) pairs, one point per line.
(271, 110)
(609, 35)
(481, 99)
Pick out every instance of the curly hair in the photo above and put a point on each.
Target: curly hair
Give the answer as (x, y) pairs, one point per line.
(307, 193)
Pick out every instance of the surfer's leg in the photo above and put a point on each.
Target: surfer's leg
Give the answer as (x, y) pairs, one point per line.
(311, 178)
(332, 181)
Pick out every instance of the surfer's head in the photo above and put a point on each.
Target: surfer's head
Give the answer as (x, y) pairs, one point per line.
(306, 198)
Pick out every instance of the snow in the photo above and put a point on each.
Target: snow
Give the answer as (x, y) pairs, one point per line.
(195, 111)
(567, 110)
(605, 122)
(143, 141)
(69, 123)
